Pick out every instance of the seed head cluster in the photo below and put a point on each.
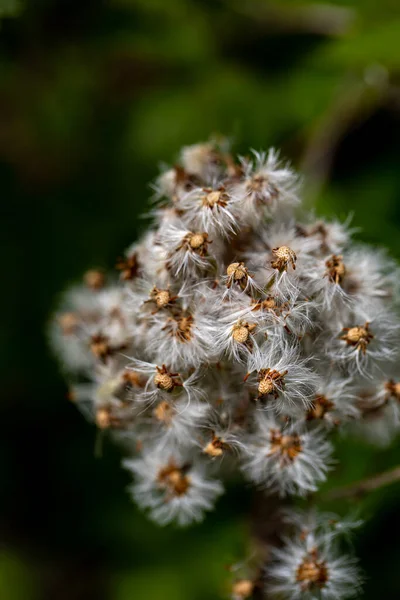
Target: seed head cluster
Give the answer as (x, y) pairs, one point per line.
(237, 335)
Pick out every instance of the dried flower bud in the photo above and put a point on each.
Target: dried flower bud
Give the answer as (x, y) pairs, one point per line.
(241, 331)
(215, 447)
(336, 269)
(174, 479)
(215, 198)
(284, 257)
(312, 573)
(270, 382)
(166, 381)
(288, 447)
(198, 242)
(359, 337)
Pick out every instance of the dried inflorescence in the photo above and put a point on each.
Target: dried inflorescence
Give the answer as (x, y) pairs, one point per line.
(237, 335)
(310, 564)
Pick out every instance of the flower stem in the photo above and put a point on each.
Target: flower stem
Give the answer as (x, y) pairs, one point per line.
(360, 488)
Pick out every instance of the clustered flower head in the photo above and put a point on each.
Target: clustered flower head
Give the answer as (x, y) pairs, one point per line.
(235, 335)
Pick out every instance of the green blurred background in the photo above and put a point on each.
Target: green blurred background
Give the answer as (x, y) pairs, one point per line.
(93, 97)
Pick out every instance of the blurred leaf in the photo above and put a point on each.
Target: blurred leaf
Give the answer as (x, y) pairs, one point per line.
(10, 8)
(377, 44)
(17, 580)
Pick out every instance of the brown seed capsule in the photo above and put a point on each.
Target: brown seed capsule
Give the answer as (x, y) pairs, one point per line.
(336, 269)
(270, 382)
(241, 331)
(94, 279)
(240, 334)
(269, 303)
(174, 479)
(287, 446)
(237, 270)
(197, 240)
(359, 337)
(215, 447)
(312, 572)
(162, 298)
(215, 198)
(355, 334)
(242, 589)
(265, 386)
(184, 330)
(164, 381)
(284, 257)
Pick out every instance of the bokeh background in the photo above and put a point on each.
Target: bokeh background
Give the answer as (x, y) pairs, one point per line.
(94, 95)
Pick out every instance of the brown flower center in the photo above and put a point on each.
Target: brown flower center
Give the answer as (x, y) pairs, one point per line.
(165, 380)
(335, 269)
(320, 406)
(216, 447)
(312, 572)
(237, 273)
(359, 337)
(129, 267)
(241, 331)
(162, 298)
(197, 241)
(237, 270)
(288, 447)
(284, 256)
(174, 480)
(215, 198)
(270, 381)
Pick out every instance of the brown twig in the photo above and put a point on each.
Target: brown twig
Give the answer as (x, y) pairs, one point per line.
(360, 488)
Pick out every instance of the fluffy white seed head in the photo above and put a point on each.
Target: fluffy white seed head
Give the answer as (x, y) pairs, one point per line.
(237, 333)
(309, 565)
